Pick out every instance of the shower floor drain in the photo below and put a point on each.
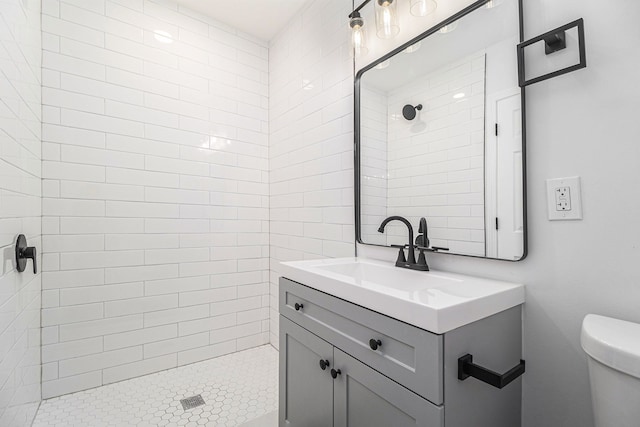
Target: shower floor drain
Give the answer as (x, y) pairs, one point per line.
(192, 402)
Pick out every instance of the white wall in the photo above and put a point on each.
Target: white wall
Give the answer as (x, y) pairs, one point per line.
(155, 191)
(585, 123)
(20, 209)
(311, 140)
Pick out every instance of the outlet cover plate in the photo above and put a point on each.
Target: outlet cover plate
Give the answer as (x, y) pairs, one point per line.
(564, 199)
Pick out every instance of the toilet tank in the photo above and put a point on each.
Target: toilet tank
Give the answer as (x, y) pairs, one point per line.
(613, 347)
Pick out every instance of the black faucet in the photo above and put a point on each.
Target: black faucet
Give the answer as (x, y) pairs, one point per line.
(421, 243)
(402, 261)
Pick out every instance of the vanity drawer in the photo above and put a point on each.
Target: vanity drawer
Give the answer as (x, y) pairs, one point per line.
(408, 355)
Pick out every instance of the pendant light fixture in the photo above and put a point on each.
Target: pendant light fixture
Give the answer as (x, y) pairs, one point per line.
(423, 7)
(386, 19)
(358, 34)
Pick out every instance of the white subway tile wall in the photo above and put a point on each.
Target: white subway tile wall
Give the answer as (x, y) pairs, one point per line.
(311, 140)
(436, 162)
(432, 166)
(374, 167)
(20, 209)
(155, 190)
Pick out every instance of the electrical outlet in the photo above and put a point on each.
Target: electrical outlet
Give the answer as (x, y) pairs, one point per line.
(564, 199)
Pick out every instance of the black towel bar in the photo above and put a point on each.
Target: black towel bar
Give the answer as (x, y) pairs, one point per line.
(466, 369)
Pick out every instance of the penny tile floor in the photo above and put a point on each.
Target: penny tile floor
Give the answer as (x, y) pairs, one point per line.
(237, 389)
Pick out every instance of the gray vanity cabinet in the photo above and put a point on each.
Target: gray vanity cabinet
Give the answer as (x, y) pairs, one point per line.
(408, 355)
(359, 396)
(308, 400)
(380, 372)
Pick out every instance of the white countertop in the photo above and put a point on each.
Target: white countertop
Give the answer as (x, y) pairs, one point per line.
(435, 301)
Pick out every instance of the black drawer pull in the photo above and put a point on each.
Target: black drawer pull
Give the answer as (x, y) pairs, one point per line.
(374, 344)
(324, 364)
(298, 307)
(334, 373)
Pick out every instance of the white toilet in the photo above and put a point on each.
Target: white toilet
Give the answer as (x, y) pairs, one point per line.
(613, 347)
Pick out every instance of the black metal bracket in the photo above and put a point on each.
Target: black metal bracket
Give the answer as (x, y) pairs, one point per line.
(357, 9)
(466, 369)
(554, 41)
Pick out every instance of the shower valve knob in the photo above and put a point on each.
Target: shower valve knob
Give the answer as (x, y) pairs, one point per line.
(23, 253)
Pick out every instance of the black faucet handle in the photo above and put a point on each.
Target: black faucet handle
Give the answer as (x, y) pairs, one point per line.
(422, 240)
(401, 258)
(423, 234)
(422, 259)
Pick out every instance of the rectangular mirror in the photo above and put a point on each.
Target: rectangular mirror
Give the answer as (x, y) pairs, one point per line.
(439, 135)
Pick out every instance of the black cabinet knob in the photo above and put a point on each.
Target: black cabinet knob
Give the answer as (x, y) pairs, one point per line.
(334, 373)
(23, 253)
(298, 307)
(374, 344)
(324, 364)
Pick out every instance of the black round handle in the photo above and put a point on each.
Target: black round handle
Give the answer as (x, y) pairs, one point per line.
(334, 373)
(298, 307)
(23, 253)
(374, 344)
(324, 364)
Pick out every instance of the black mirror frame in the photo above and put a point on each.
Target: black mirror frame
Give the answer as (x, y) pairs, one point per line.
(356, 161)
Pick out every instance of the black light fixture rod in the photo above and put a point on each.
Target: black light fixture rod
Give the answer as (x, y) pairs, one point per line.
(357, 9)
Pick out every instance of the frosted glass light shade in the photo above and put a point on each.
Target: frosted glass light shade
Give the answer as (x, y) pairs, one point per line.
(423, 7)
(358, 35)
(386, 19)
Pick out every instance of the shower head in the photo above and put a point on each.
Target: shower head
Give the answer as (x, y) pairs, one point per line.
(409, 111)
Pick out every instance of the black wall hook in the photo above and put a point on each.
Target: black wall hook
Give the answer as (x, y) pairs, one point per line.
(24, 252)
(466, 369)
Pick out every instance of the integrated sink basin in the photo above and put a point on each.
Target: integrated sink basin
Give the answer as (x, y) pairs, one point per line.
(435, 301)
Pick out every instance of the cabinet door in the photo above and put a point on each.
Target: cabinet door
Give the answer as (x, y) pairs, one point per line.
(365, 398)
(306, 390)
